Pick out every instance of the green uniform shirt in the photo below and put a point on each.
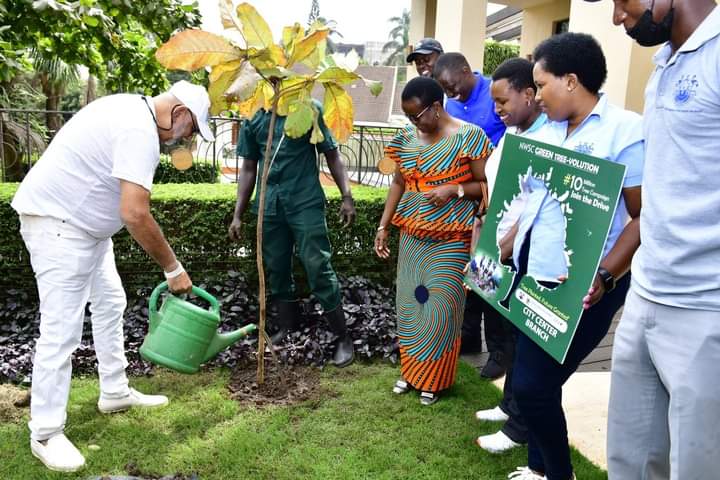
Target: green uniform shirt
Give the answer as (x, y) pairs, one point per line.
(294, 178)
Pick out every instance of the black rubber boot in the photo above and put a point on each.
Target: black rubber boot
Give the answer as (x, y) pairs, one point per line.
(344, 350)
(287, 317)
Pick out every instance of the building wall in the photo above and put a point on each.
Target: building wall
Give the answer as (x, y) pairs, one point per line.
(538, 23)
(629, 65)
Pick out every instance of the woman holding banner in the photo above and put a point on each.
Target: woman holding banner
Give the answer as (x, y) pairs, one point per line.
(569, 70)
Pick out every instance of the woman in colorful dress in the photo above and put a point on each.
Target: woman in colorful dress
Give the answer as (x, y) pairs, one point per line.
(440, 164)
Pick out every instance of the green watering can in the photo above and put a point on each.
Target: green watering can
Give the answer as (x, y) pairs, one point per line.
(182, 336)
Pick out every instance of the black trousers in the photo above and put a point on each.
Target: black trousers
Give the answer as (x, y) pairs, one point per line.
(498, 331)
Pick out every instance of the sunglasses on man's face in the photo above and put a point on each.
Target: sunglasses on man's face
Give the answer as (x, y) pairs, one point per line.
(416, 118)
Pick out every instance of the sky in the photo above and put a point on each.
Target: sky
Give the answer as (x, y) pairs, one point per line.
(359, 21)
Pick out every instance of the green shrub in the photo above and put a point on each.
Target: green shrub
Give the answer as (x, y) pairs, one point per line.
(496, 53)
(200, 172)
(194, 218)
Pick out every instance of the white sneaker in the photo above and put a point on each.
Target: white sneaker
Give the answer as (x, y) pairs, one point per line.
(134, 399)
(524, 473)
(58, 454)
(492, 415)
(496, 443)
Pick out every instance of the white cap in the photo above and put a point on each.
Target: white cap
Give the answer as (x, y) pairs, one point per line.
(196, 99)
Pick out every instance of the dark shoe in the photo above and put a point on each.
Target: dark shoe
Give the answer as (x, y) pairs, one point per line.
(344, 350)
(286, 319)
(494, 368)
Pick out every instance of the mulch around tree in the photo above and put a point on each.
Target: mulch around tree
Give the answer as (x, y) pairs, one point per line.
(283, 385)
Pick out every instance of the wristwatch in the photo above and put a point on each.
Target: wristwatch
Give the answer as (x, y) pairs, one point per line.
(461, 191)
(607, 279)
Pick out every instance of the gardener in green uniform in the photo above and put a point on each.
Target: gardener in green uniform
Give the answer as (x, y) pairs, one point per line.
(295, 220)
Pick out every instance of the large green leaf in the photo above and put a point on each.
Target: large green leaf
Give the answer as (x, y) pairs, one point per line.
(216, 90)
(299, 119)
(375, 86)
(193, 49)
(337, 75)
(255, 29)
(293, 89)
(317, 135)
(338, 114)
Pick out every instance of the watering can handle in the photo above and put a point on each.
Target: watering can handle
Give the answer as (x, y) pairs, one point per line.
(214, 305)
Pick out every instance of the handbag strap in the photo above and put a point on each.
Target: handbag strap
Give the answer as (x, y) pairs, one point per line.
(484, 201)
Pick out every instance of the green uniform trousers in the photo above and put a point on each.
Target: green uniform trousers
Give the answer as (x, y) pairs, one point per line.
(305, 234)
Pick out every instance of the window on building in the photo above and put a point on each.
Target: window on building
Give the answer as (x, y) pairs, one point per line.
(561, 26)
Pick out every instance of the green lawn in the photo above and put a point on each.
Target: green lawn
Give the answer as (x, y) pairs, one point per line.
(361, 430)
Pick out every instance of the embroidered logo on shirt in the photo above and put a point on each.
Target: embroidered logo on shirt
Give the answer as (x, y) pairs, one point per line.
(685, 89)
(585, 147)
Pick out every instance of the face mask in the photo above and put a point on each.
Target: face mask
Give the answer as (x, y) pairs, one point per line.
(648, 33)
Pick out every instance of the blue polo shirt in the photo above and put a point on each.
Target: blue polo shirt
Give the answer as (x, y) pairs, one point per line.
(611, 133)
(678, 262)
(479, 109)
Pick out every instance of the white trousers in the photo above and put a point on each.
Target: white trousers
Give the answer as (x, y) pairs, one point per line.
(664, 413)
(72, 268)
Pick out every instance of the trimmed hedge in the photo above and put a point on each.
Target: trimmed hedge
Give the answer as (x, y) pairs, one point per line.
(200, 172)
(194, 218)
(496, 53)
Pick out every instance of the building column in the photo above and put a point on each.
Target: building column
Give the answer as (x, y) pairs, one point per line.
(460, 27)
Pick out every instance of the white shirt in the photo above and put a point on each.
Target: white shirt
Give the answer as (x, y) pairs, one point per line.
(678, 262)
(77, 179)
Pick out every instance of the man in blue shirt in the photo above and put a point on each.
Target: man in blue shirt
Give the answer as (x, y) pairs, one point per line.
(664, 412)
(468, 94)
(469, 99)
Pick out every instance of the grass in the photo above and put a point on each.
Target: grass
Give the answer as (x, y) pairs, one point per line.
(360, 431)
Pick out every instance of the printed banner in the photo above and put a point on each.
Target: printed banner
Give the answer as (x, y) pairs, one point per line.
(543, 238)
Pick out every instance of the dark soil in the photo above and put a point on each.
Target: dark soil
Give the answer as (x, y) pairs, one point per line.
(134, 473)
(283, 385)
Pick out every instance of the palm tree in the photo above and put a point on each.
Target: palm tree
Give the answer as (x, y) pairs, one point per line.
(399, 39)
(54, 76)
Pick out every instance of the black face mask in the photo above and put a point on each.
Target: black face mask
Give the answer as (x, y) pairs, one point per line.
(648, 33)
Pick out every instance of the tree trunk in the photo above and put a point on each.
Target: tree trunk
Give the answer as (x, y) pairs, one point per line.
(91, 91)
(53, 121)
(267, 164)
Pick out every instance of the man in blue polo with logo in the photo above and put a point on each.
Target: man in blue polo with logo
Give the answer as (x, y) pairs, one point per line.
(469, 99)
(664, 413)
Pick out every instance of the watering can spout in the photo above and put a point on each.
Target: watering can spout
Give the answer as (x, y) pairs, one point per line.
(224, 340)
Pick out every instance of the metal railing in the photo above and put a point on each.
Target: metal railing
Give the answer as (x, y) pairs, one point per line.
(24, 136)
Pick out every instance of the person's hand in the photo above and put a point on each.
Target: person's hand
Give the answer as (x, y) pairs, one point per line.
(347, 211)
(180, 284)
(381, 243)
(441, 195)
(597, 290)
(235, 230)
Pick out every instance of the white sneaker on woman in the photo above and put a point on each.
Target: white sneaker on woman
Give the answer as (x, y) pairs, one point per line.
(524, 473)
(492, 415)
(496, 443)
(58, 453)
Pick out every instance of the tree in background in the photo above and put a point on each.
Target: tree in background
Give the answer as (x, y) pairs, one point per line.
(399, 39)
(314, 12)
(113, 39)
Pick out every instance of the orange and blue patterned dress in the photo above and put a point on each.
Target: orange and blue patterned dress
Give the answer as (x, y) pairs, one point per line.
(434, 249)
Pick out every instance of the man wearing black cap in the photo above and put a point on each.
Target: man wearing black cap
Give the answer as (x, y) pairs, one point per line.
(425, 53)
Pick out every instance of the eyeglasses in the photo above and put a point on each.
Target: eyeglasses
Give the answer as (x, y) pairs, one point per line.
(416, 118)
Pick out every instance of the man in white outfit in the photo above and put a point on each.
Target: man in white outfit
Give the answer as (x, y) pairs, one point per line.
(94, 178)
